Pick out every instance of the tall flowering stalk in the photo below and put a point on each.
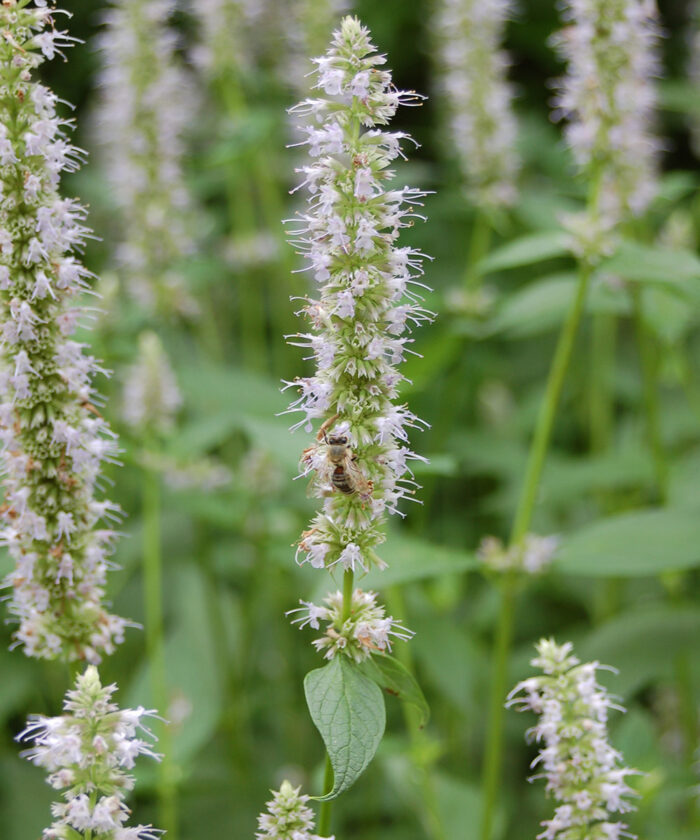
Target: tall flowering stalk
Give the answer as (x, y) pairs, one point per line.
(359, 331)
(54, 440)
(607, 97)
(87, 752)
(584, 773)
(473, 69)
(143, 116)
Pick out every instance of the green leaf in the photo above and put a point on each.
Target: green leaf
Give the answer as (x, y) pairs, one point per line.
(645, 542)
(680, 95)
(668, 314)
(673, 268)
(193, 673)
(347, 708)
(642, 645)
(410, 559)
(396, 679)
(407, 560)
(542, 305)
(533, 248)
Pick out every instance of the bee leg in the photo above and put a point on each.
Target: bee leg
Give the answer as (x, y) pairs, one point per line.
(326, 423)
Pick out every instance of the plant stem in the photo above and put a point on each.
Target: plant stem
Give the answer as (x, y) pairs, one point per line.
(494, 733)
(433, 823)
(478, 248)
(651, 398)
(153, 601)
(324, 817)
(545, 420)
(523, 518)
(601, 375)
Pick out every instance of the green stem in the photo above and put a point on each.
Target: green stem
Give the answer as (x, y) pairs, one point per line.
(545, 420)
(242, 220)
(478, 248)
(433, 823)
(523, 519)
(603, 329)
(651, 396)
(153, 601)
(494, 732)
(324, 817)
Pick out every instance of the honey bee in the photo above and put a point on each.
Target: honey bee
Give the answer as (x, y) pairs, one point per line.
(338, 465)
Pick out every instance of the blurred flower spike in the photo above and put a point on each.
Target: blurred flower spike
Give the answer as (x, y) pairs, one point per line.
(608, 98)
(365, 630)
(151, 395)
(533, 555)
(369, 301)
(146, 105)
(54, 439)
(86, 752)
(473, 77)
(583, 772)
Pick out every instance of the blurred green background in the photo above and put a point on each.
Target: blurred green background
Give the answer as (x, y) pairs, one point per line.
(627, 596)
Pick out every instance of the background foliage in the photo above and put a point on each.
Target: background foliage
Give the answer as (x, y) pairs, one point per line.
(624, 588)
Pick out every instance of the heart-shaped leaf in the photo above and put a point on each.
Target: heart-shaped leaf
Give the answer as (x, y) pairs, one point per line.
(348, 710)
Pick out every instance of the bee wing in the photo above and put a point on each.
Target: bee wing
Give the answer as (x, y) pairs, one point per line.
(363, 486)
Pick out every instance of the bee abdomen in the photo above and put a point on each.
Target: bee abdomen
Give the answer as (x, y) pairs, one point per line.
(340, 481)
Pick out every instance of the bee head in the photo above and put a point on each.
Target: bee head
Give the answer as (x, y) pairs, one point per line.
(337, 440)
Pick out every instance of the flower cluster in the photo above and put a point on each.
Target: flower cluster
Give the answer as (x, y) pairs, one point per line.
(363, 631)
(583, 772)
(367, 302)
(481, 120)
(608, 98)
(532, 555)
(143, 116)
(151, 395)
(54, 440)
(86, 752)
(288, 817)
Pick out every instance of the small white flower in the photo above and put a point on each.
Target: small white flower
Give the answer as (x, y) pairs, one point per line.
(366, 630)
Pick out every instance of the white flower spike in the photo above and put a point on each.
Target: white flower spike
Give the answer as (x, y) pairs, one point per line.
(54, 440)
(87, 752)
(360, 325)
(583, 772)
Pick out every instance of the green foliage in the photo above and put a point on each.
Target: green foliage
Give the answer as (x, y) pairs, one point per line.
(347, 708)
(624, 583)
(398, 681)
